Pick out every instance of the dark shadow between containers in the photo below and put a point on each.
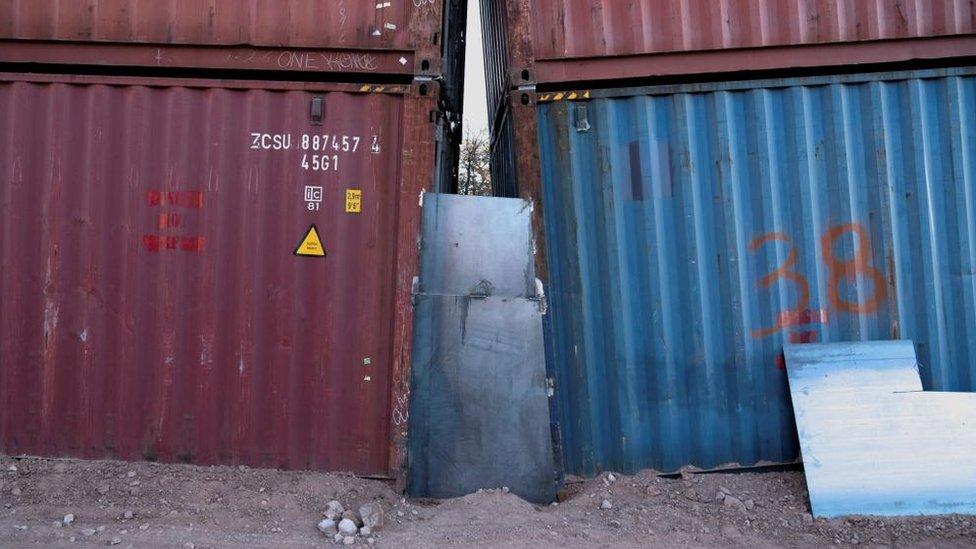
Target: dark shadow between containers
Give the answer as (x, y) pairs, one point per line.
(743, 76)
(209, 74)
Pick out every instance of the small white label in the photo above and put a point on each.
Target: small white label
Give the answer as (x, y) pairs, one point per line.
(313, 197)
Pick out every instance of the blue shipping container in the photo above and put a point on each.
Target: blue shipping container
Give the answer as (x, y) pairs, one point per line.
(693, 230)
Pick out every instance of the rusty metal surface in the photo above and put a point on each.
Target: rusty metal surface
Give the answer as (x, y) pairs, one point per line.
(218, 57)
(414, 180)
(400, 36)
(556, 41)
(153, 304)
(723, 64)
(276, 23)
(594, 28)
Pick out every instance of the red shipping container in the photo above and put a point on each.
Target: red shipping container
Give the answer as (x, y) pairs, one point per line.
(163, 294)
(340, 36)
(551, 41)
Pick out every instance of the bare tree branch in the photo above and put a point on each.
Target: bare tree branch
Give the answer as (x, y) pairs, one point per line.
(474, 172)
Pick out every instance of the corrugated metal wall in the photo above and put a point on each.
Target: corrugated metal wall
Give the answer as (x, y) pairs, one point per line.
(495, 45)
(291, 23)
(692, 231)
(503, 160)
(589, 28)
(152, 304)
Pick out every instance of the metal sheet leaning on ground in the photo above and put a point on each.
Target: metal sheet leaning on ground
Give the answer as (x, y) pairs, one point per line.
(158, 303)
(875, 443)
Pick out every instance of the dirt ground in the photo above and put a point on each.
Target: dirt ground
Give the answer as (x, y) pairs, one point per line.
(151, 505)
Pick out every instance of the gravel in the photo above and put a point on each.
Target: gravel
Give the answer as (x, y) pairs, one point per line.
(219, 508)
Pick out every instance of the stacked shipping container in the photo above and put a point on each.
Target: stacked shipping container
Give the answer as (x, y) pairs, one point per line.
(693, 226)
(208, 224)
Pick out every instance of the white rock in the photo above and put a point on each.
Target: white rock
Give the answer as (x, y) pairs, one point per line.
(611, 478)
(734, 502)
(351, 515)
(130, 474)
(605, 504)
(15, 492)
(334, 510)
(337, 538)
(12, 468)
(327, 526)
(348, 527)
(128, 515)
(68, 519)
(348, 540)
(371, 541)
(365, 531)
(115, 541)
(371, 515)
(88, 532)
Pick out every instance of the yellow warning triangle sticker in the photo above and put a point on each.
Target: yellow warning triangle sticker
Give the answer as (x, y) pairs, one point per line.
(311, 245)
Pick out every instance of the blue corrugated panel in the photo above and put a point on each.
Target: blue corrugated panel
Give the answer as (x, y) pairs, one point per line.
(691, 234)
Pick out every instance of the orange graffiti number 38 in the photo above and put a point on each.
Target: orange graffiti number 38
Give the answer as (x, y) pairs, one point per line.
(838, 269)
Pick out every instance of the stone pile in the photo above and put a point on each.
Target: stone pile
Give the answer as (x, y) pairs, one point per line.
(346, 526)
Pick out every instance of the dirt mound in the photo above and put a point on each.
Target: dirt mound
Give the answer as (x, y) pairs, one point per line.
(176, 506)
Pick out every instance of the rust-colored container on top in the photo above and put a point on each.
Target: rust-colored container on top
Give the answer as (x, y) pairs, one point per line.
(336, 36)
(209, 271)
(552, 41)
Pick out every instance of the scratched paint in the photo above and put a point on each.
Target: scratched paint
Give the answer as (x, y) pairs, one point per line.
(589, 28)
(292, 23)
(559, 41)
(693, 230)
(153, 305)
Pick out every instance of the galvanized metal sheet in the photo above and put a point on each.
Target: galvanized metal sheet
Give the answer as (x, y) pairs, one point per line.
(476, 245)
(690, 235)
(876, 366)
(479, 416)
(869, 447)
(154, 307)
(479, 412)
